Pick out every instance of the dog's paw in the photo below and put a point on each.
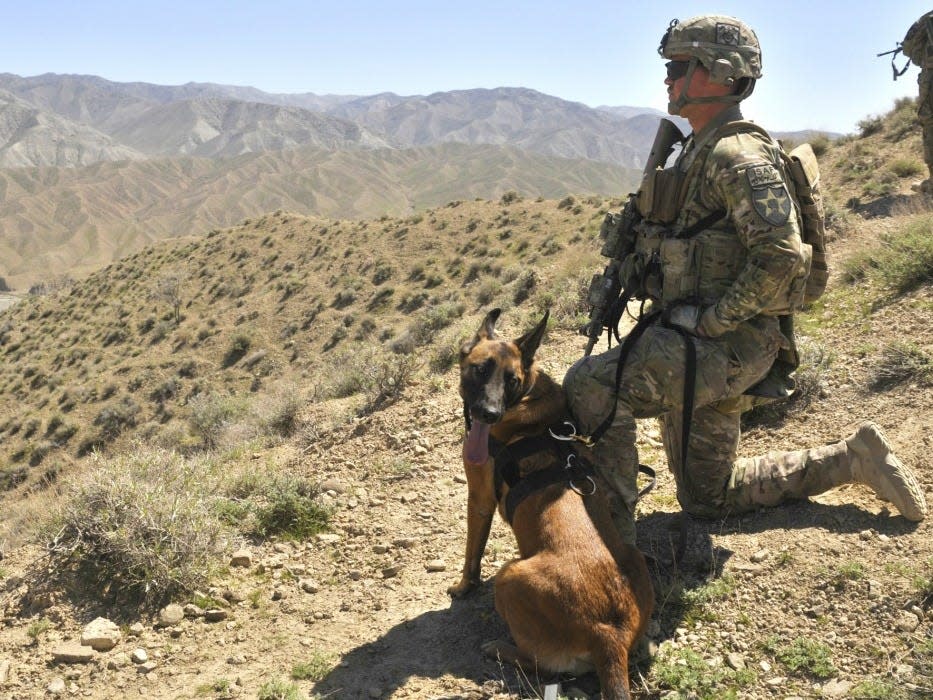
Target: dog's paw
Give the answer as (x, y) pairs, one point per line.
(461, 589)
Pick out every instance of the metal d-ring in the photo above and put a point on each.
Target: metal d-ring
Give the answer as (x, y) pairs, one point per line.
(572, 436)
(573, 486)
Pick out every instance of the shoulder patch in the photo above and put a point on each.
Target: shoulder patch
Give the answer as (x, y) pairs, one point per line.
(762, 175)
(769, 194)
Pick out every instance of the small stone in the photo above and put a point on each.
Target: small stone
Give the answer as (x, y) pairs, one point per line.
(192, 610)
(380, 548)
(278, 594)
(241, 557)
(759, 556)
(355, 574)
(333, 485)
(436, 565)
(101, 634)
(776, 681)
(865, 535)
(147, 667)
(405, 542)
(459, 479)
(237, 660)
(764, 666)
(139, 656)
(309, 585)
(72, 654)
(215, 615)
(836, 689)
(4, 672)
(328, 538)
(136, 629)
(875, 590)
(171, 615)
(391, 571)
(56, 687)
(907, 622)
(234, 596)
(735, 661)
(118, 661)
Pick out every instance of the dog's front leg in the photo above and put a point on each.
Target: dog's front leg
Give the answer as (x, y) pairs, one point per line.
(481, 506)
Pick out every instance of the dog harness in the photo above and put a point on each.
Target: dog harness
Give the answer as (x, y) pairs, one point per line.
(568, 469)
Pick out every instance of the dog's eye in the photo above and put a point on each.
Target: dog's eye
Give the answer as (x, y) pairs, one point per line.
(481, 369)
(513, 381)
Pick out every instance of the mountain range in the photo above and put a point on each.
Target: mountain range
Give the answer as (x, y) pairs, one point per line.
(91, 170)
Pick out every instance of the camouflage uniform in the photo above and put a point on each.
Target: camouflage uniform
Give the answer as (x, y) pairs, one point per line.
(922, 56)
(743, 268)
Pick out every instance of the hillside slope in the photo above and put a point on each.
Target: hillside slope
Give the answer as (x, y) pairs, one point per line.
(827, 598)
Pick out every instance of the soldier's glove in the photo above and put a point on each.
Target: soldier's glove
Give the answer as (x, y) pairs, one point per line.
(696, 320)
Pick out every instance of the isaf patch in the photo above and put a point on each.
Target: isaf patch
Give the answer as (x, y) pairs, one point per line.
(727, 34)
(769, 194)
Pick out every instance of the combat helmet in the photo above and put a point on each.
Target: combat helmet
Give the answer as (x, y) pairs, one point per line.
(725, 46)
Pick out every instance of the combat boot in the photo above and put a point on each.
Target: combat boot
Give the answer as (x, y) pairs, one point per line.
(872, 462)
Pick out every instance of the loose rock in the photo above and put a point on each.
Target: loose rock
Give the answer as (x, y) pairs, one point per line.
(72, 654)
(171, 615)
(241, 557)
(101, 634)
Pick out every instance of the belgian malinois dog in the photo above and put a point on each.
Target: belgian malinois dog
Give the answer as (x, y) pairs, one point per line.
(578, 598)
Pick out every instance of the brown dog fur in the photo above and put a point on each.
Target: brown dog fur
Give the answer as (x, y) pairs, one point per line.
(578, 598)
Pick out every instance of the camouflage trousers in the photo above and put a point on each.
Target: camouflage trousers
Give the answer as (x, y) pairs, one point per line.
(925, 112)
(713, 482)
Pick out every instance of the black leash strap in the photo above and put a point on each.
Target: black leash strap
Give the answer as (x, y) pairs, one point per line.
(643, 323)
(690, 379)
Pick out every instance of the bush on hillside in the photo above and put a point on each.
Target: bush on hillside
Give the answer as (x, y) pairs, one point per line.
(139, 525)
(902, 263)
(901, 363)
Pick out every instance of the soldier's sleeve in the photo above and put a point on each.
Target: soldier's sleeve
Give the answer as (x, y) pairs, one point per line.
(743, 173)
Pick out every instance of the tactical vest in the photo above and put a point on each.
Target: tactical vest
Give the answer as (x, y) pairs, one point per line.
(698, 264)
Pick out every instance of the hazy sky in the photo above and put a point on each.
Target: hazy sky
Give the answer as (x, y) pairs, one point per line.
(820, 68)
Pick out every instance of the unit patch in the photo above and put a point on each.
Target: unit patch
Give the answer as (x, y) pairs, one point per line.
(769, 194)
(727, 34)
(761, 175)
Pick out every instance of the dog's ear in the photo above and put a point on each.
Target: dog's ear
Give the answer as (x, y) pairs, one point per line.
(529, 342)
(487, 331)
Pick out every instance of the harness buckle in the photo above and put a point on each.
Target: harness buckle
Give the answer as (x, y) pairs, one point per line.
(572, 436)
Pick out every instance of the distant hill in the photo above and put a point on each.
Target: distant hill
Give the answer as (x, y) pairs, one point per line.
(76, 220)
(100, 168)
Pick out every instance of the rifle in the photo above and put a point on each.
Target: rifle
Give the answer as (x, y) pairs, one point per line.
(606, 298)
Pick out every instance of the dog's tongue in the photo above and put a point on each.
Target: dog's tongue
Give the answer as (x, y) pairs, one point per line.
(476, 446)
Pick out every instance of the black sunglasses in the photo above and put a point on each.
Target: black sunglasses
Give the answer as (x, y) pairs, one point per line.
(676, 69)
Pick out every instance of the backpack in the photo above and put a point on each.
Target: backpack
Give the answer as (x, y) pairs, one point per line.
(919, 39)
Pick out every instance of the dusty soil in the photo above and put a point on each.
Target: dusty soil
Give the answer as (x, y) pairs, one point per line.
(365, 608)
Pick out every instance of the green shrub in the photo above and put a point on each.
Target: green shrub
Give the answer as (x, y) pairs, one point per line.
(239, 346)
(906, 167)
(901, 363)
(802, 656)
(278, 413)
(870, 125)
(210, 413)
(140, 524)
(278, 689)
(289, 507)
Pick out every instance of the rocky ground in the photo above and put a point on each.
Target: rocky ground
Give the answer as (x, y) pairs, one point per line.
(362, 612)
(823, 599)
